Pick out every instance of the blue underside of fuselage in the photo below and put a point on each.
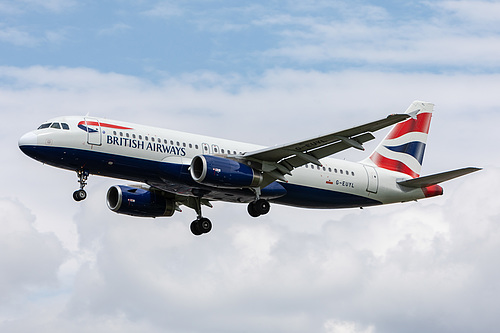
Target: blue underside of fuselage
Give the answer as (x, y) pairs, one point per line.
(175, 178)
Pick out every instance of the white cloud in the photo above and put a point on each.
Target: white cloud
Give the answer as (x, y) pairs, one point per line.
(114, 29)
(18, 37)
(50, 5)
(428, 265)
(338, 326)
(29, 260)
(479, 12)
(165, 10)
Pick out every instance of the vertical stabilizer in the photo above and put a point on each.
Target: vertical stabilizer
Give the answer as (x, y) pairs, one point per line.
(402, 150)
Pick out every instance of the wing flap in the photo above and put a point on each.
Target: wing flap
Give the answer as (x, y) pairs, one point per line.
(435, 179)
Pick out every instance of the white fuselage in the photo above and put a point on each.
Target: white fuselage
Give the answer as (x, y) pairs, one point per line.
(161, 158)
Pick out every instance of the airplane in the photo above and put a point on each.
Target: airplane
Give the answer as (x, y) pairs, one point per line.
(175, 168)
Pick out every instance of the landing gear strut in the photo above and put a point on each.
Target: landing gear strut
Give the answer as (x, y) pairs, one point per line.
(201, 225)
(80, 194)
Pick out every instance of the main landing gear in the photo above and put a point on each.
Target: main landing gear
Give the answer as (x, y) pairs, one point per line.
(258, 207)
(201, 225)
(80, 194)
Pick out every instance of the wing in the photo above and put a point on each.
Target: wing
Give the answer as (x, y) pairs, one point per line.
(275, 162)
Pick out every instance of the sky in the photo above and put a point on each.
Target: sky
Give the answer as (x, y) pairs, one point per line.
(266, 72)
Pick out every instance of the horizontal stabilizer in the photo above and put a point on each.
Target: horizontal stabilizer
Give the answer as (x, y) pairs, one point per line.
(425, 181)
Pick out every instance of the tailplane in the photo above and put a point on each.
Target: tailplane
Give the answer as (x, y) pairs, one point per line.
(402, 150)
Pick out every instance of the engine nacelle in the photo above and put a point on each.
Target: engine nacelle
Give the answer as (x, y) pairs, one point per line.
(223, 172)
(138, 202)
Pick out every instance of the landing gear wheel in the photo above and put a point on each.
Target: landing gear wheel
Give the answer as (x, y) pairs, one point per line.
(205, 225)
(201, 226)
(195, 228)
(251, 210)
(262, 206)
(79, 195)
(258, 208)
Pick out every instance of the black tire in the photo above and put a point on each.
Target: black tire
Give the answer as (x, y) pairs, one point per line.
(262, 206)
(252, 211)
(79, 195)
(195, 228)
(204, 225)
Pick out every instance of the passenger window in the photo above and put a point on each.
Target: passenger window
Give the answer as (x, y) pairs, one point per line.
(184, 144)
(190, 146)
(222, 151)
(55, 125)
(140, 137)
(172, 142)
(195, 146)
(114, 132)
(341, 172)
(329, 169)
(178, 143)
(352, 173)
(159, 140)
(65, 126)
(335, 170)
(165, 141)
(133, 136)
(146, 138)
(127, 135)
(121, 133)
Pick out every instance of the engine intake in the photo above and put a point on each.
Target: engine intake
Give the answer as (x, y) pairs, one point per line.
(224, 173)
(138, 202)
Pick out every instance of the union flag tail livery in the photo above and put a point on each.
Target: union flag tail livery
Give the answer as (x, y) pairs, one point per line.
(403, 148)
(173, 169)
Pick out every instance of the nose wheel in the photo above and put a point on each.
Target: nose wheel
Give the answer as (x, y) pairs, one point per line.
(80, 194)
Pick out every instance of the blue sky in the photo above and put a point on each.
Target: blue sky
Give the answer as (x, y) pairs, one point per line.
(267, 72)
(156, 38)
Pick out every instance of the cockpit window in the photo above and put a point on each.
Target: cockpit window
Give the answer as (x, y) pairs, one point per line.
(65, 126)
(55, 125)
(46, 125)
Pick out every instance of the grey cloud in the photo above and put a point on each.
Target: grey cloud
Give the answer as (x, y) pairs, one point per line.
(29, 259)
(417, 266)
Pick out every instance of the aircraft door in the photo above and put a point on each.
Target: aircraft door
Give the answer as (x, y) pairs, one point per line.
(372, 185)
(94, 134)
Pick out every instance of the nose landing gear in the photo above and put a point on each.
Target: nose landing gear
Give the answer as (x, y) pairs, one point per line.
(80, 194)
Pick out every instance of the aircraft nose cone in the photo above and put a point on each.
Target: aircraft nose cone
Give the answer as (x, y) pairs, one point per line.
(28, 139)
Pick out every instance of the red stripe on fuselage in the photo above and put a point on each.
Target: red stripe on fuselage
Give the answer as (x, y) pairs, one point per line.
(393, 165)
(95, 123)
(421, 124)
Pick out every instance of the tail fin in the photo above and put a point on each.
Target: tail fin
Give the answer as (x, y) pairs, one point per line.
(403, 148)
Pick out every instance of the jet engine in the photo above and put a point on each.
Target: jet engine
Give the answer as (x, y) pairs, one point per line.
(224, 173)
(139, 202)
